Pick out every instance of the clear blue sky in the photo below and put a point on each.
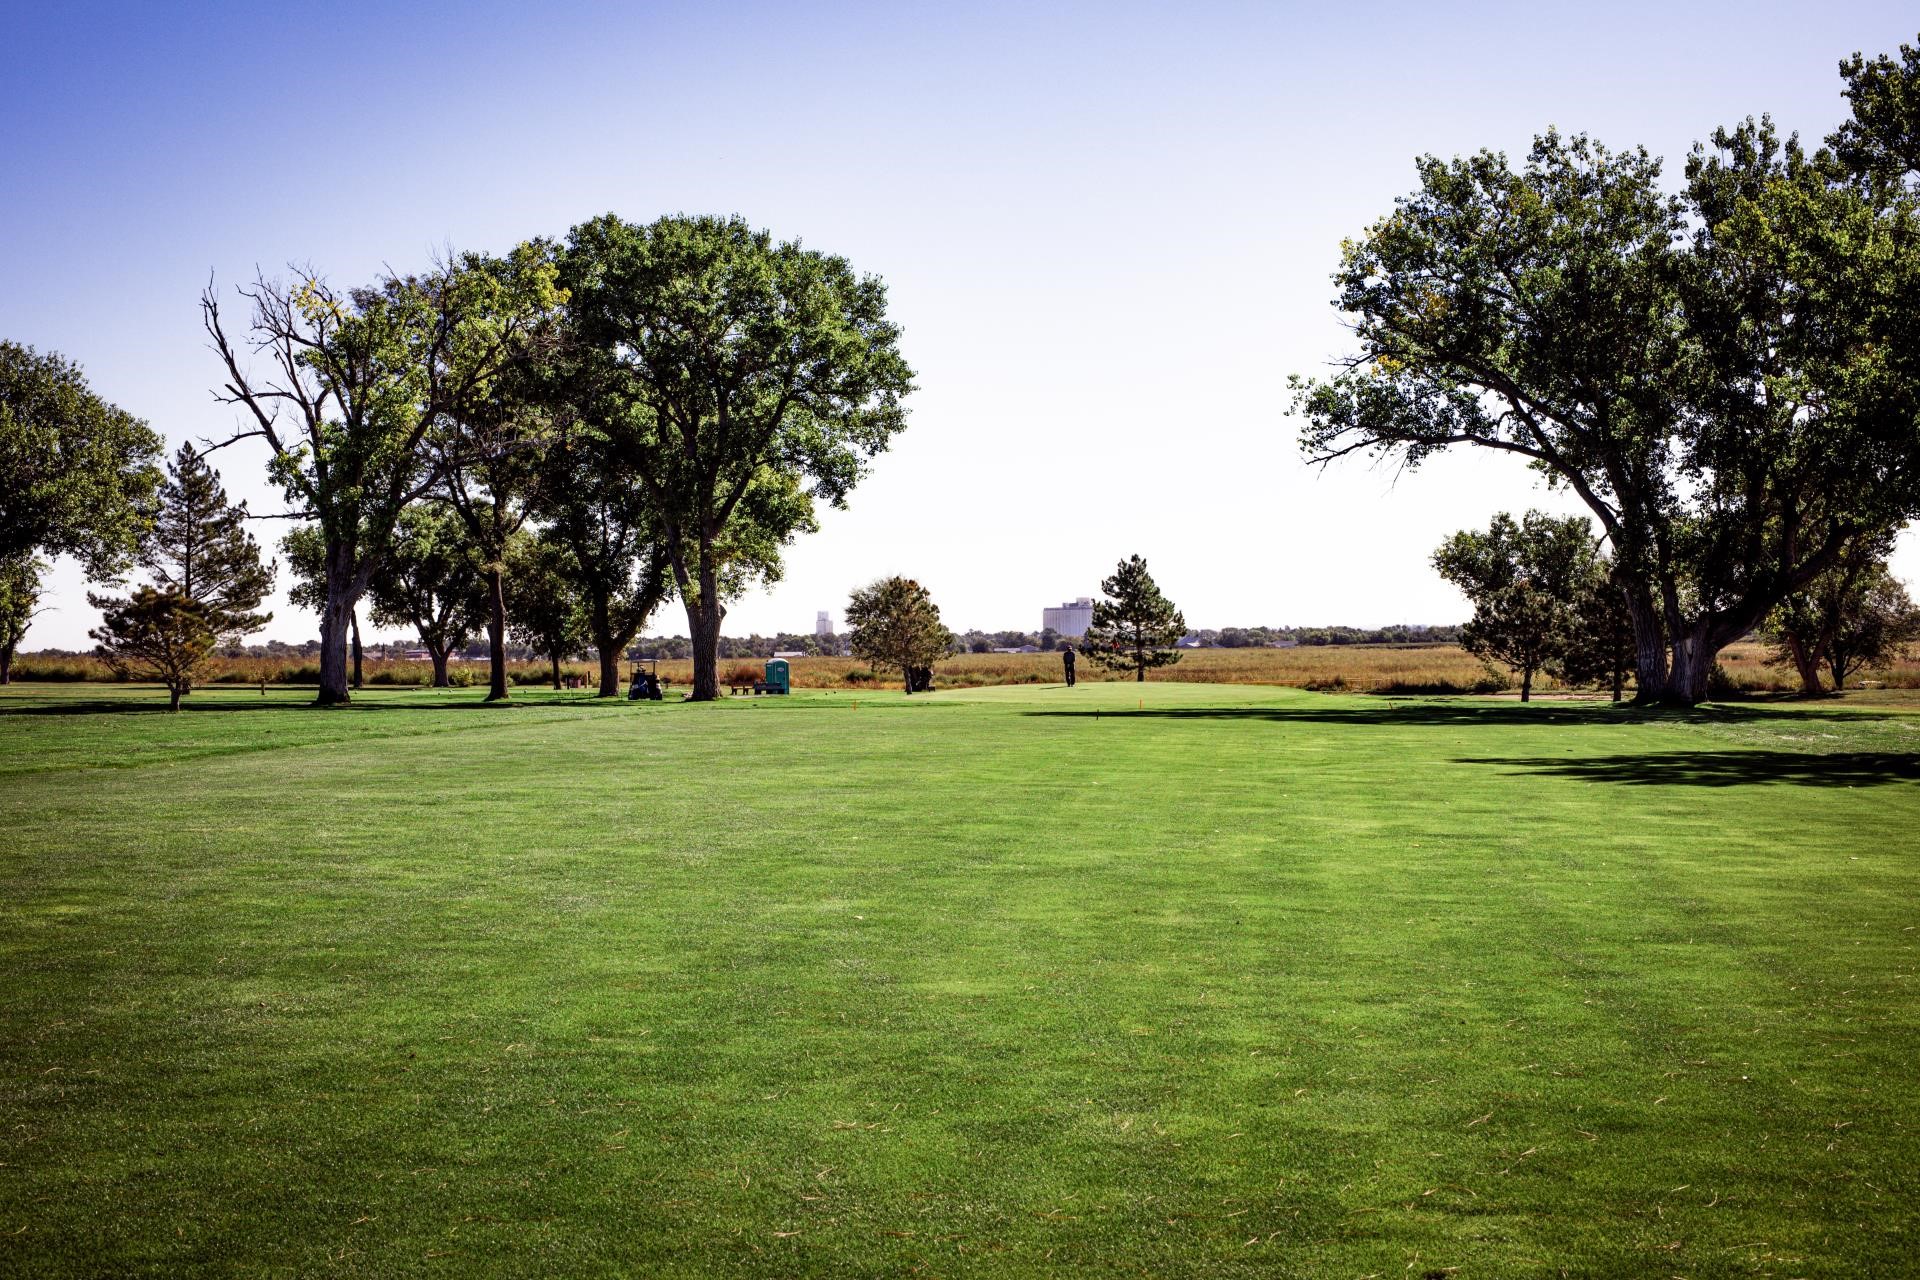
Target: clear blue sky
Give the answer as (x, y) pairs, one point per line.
(1107, 230)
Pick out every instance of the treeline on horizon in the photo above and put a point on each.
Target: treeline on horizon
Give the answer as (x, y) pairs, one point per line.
(811, 645)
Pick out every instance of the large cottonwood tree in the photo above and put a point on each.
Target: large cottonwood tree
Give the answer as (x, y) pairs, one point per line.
(727, 363)
(487, 447)
(355, 381)
(1722, 376)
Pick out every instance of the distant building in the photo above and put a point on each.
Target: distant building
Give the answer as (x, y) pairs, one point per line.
(1070, 620)
(823, 623)
(789, 653)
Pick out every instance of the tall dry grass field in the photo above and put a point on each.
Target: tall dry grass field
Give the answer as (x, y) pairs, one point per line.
(1358, 668)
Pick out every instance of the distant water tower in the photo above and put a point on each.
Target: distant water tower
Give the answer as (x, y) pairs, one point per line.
(823, 623)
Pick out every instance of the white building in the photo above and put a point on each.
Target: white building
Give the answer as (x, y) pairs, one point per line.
(1071, 620)
(823, 623)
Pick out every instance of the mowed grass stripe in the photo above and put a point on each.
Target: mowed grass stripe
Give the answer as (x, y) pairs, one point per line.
(1272, 983)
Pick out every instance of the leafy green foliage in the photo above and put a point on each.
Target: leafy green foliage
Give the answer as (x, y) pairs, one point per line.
(356, 381)
(616, 551)
(164, 635)
(76, 473)
(1597, 644)
(1135, 628)
(431, 581)
(1854, 616)
(724, 366)
(1524, 579)
(543, 600)
(488, 445)
(1882, 140)
(200, 547)
(894, 622)
(19, 601)
(1721, 375)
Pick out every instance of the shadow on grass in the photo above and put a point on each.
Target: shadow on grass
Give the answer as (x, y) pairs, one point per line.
(1721, 768)
(1437, 713)
(158, 706)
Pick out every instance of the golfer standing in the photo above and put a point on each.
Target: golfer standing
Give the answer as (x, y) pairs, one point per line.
(1066, 656)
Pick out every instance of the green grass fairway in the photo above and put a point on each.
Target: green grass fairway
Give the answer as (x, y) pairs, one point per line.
(1021, 981)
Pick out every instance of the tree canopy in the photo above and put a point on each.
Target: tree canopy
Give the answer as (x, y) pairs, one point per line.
(356, 380)
(894, 622)
(1723, 376)
(1855, 615)
(1882, 140)
(726, 365)
(1525, 579)
(162, 635)
(431, 582)
(19, 601)
(543, 600)
(600, 511)
(76, 473)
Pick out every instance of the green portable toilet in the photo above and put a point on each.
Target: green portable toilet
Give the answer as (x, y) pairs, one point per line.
(778, 680)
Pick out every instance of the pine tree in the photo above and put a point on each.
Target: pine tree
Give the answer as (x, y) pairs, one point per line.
(156, 635)
(200, 548)
(1135, 627)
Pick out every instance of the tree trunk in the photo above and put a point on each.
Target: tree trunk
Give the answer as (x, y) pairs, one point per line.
(1808, 665)
(1692, 665)
(439, 655)
(1649, 647)
(1619, 681)
(556, 668)
(1526, 684)
(1140, 674)
(173, 695)
(358, 680)
(496, 634)
(703, 622)
(333, 629)
(6, 663)
(600, 622)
